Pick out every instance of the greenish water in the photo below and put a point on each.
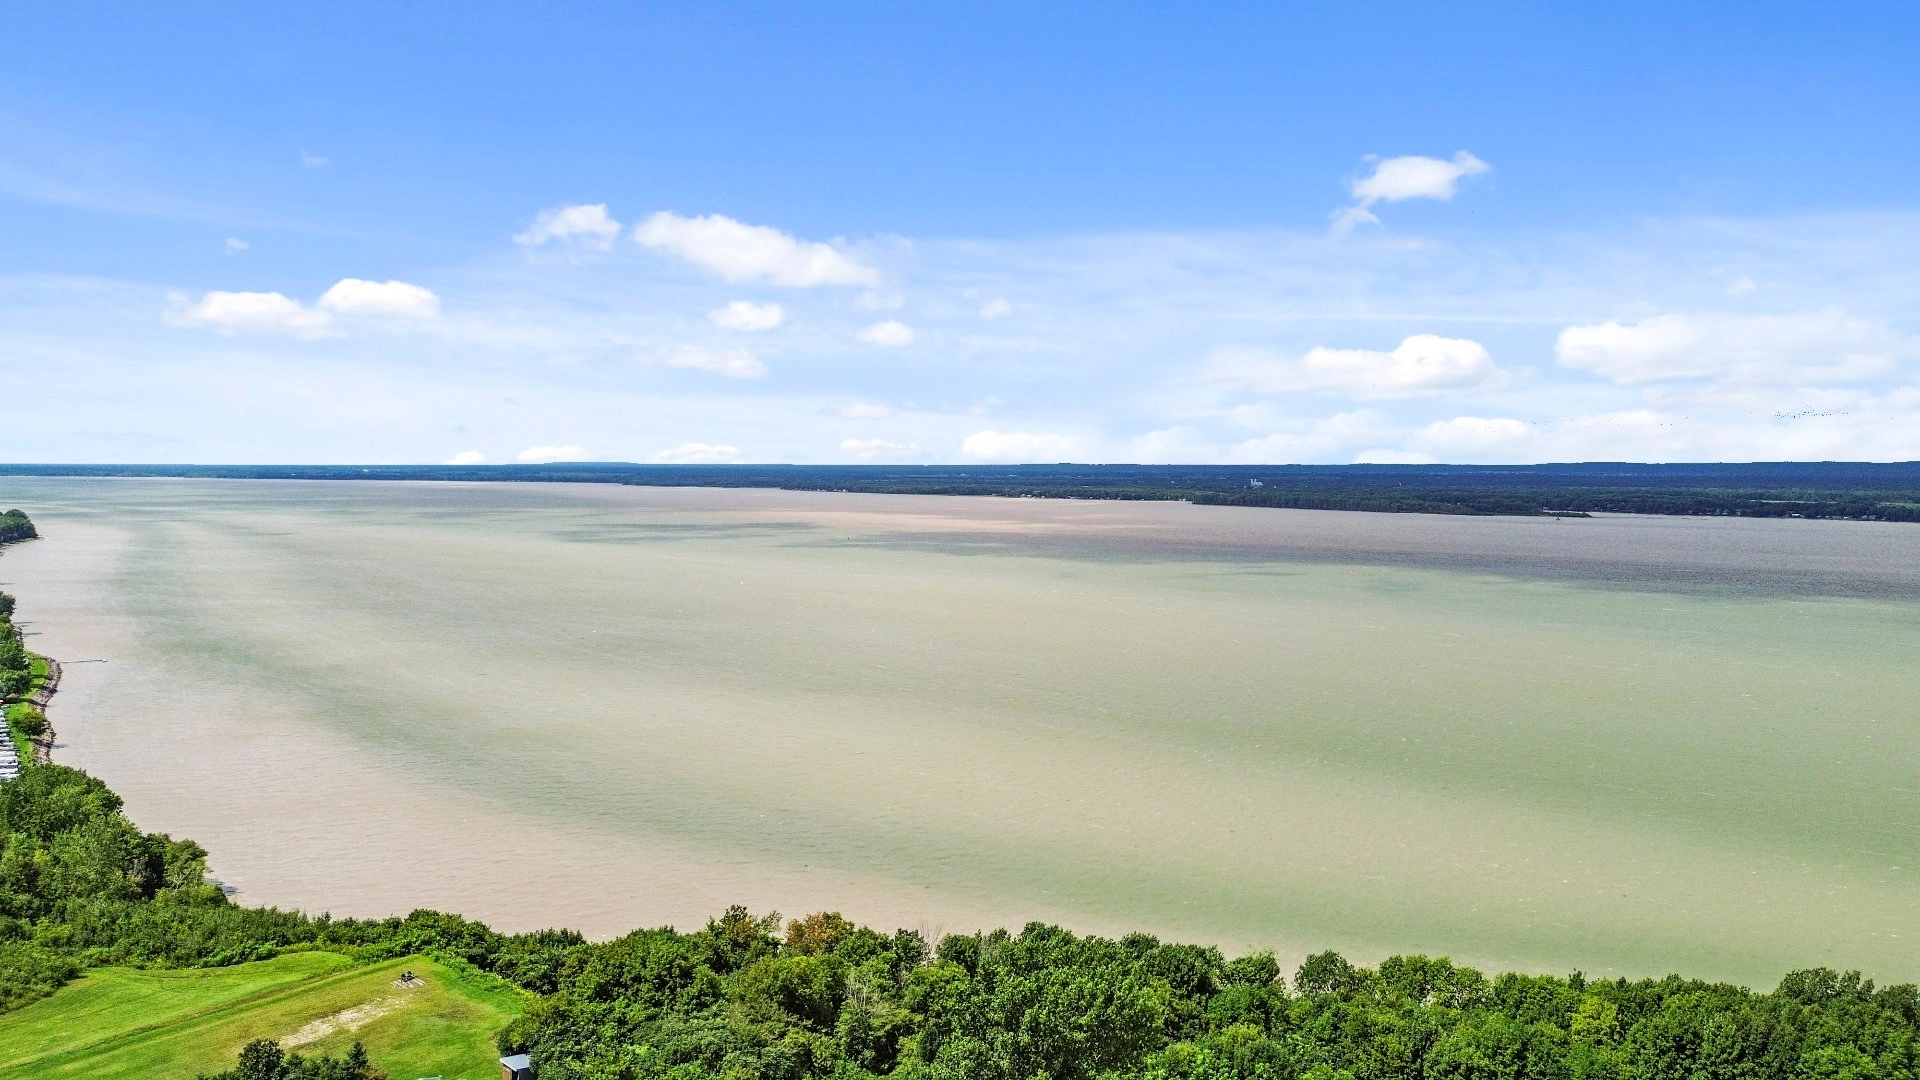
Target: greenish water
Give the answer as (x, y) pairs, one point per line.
(1622, 745)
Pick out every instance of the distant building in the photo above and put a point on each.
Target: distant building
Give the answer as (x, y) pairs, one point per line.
(516, 1067)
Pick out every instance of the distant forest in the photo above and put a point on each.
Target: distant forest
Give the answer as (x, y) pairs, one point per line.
(1861, 491)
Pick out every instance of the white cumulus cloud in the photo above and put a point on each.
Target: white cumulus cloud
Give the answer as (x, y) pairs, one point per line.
(1793, 348)
(733, 363)
(891, 334)
(995, 308)
(877, 449)
(278, 313)
(1411, 177)
(1421, 365)
(741, 252)
(393, 299)
(1018, 446)
(863, 410)
(542, 455)
(586, 224)
(235, 244)
(746, 315)
(472, 457)
(258, 312)
(698, 453)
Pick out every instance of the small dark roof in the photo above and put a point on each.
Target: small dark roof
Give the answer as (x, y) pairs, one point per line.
(516, 1062)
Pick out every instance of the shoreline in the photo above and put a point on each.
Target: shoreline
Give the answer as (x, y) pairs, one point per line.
(39, 748)
(1845, 491)
(39, 699)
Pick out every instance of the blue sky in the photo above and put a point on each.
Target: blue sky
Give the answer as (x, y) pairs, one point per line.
(939, 233)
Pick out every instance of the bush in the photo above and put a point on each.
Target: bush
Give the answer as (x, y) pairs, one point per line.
(263, 1059)
(27, 720)
(29, 972)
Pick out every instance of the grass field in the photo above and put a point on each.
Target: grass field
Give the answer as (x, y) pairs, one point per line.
(156, 1025)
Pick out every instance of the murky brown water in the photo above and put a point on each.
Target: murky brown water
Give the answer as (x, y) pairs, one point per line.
(1623, 745)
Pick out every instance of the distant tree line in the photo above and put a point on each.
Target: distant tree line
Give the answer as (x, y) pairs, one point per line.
(1864, 491)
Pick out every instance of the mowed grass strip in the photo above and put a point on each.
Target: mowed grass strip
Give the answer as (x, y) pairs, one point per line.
(112, 1002)
(159, 1024)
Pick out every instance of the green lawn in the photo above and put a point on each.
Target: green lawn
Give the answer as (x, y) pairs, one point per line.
(155, 1025)
(21, 744)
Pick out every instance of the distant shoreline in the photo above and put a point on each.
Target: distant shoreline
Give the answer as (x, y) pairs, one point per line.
(1850, 491)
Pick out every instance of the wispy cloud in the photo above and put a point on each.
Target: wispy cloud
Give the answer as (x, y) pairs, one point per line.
(1797, 347)
(258, 312)
(733, 363)
(740, 252)
(878, 449)
(542, 455)
(697, 453)
(585, 224)
(1397, 178)
(891, 334)
(1422, 365)
(1017, 446)
(746, 315)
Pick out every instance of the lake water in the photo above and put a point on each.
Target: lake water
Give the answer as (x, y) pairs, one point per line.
(1624, 745)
